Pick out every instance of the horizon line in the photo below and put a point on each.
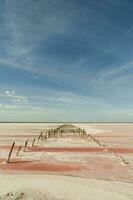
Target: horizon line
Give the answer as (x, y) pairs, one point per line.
(66, 122)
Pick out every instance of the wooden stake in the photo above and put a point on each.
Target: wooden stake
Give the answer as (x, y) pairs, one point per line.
(33, 142)
(40, 136)
(20, 147)
(25, 145)
(10, 152)
(123, 160)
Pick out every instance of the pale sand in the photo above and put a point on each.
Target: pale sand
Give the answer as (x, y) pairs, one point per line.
(50, 187)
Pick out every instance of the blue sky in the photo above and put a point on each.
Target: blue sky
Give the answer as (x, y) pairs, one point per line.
(66, 60)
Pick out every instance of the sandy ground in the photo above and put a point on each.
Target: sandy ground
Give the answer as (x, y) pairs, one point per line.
(62, 188)
(77, 167)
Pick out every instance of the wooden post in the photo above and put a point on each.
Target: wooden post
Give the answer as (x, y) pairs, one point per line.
(45, 138)
(99, 143)
(48, 135)
(33, 142)
(25, 145)
(54, 133)
(40, 136)
(20, 147)
(123, 160)
(10, 152)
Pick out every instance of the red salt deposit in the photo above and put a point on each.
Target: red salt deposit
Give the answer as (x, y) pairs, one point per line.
(40, 166)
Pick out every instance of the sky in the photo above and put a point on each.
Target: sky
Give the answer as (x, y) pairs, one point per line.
(66, 60)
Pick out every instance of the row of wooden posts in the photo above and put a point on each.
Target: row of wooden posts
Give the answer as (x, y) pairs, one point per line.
(41, 137)
(123, 160)
(58, 132)
(19, 149)
(51, 133)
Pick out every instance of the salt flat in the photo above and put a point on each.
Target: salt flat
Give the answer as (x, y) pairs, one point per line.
(62, 188)
(77, 166)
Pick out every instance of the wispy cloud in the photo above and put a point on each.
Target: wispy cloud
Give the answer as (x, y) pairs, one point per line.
(14, 97)
(20, 18)
(115, 70)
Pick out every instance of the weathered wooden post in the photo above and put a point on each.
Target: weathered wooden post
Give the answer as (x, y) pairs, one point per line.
(45, 138)
(48, 134)
(123, 160)
(84, 134)
(54, 133)
(105, 147)
(40, 136)
(99, 143)
(20, 147)
(10, 152)
(61, 133)
(78, 133)
(25, 145)
(33, 142)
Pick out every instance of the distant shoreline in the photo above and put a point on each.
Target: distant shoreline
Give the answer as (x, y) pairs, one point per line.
(63, 122)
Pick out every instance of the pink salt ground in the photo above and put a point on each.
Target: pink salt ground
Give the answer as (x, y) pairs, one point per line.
(122, 150)
(81, 149)
(95, 167)
(38, 166)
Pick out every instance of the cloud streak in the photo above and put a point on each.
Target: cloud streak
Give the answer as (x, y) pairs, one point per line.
(14, 97)
(117, 70)
(20, 17)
